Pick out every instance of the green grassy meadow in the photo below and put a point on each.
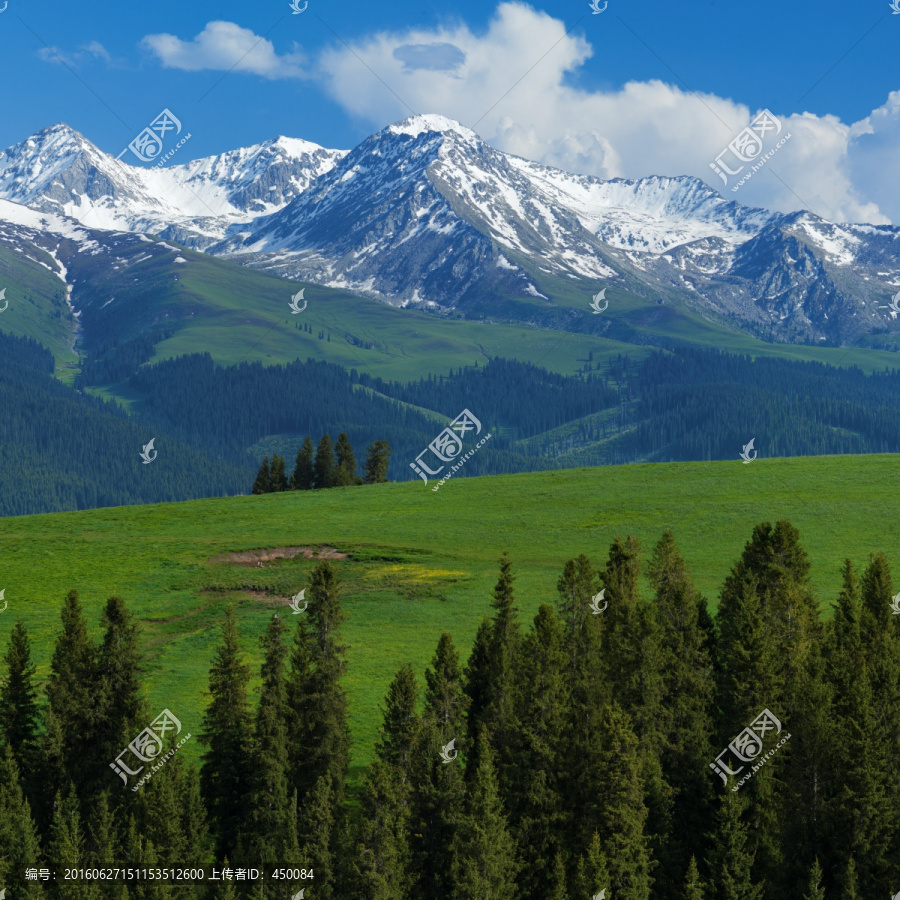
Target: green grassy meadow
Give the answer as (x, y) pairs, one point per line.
(417, 562)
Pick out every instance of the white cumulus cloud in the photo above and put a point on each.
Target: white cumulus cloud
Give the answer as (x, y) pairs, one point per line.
(512, 83)
(225, 46)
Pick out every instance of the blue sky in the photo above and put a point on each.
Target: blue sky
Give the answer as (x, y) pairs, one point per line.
(643, 88)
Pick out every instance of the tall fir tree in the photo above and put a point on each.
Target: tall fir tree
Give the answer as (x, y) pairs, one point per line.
(437, 786)
(693, 887)
(269, 831)
(856, 800)
(73, 719)
(378, 455)
(263, 482)
(383, 844)
(302, 479)
(476, 681)
(227, 736)
(277, 476)
(120, 709)
(634, 665)
(592, 873)
(485, 859)
(871, 782)
(621, 814)
(66, 850)
(537, 812)
(497, 714)
(19, 846)
(324, 465)
(731, 857)
(686, 713)
(317, 828)
(317, 703)
(400, 724)
(19, 714)
(345, 466)
(814, 888)
(580, 754)
(382, 855)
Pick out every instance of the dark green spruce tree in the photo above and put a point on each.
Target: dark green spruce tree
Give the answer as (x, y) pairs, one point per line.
(485, 859)
(634, 665)
(120, 710)
(858, 802)
(694, 888)
(72, 689)
(227, 735)
(67, 850)
(731, 857)
(378, 455)
(345, 467)
(318, 734)
(302, 479)
(263, 483)
(277, 476)
(19, 715)
(19, 846)
(437, 786)
(270, 836)
(324, 465)
(497, 712)
(689, 727)
(383, 844)
(537, 813)
(580, 756)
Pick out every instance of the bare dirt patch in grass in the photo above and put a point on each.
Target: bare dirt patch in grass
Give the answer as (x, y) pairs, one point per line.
(256, 558)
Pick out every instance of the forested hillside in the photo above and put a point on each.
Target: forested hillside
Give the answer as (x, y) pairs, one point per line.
(62, 450)
(623, 744)
(682, 405)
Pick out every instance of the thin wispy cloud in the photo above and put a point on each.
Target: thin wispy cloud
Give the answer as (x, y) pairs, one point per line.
(93, 50)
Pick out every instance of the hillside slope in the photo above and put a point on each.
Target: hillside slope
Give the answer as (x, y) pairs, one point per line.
(417, 562)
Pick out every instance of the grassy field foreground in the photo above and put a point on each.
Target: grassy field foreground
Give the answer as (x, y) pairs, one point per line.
(415, 562)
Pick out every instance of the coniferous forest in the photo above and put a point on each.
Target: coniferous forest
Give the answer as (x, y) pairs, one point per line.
(213, 425)
(568, 757)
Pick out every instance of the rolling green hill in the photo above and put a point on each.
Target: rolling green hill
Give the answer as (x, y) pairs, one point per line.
(417, 562)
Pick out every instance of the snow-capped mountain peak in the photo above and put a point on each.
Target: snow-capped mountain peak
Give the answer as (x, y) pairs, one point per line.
(425, 212)
(58, 170)
(415, 125)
